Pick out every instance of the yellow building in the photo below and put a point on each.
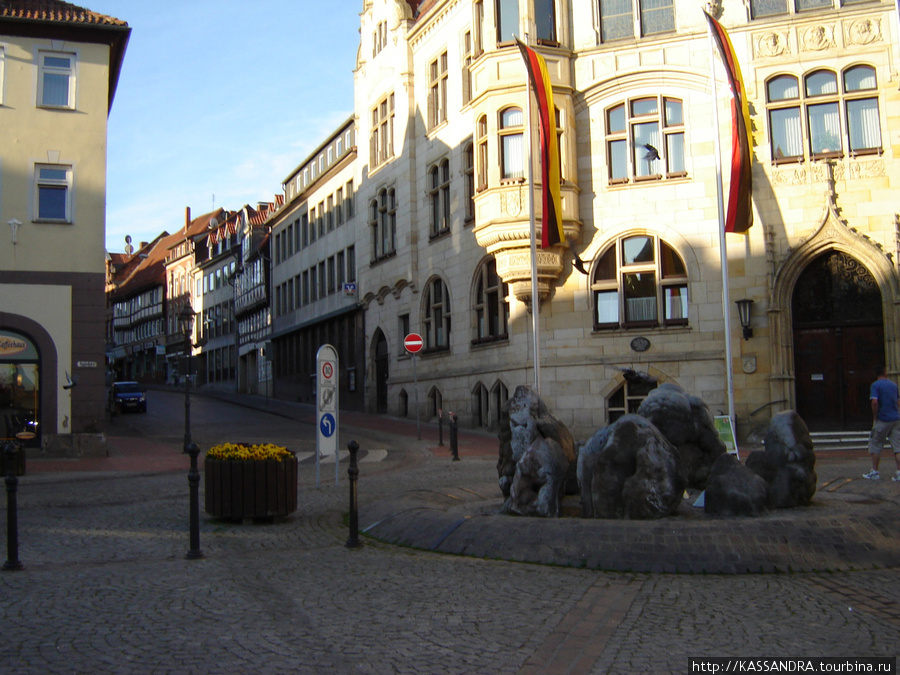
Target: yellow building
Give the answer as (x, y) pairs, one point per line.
(59, 66)
(441, 110)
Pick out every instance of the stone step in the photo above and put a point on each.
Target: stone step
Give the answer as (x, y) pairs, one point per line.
(824, 441)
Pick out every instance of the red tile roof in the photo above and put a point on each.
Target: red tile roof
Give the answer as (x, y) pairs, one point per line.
(54, 10)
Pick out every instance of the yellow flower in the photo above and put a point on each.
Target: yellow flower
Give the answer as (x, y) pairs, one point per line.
(249, 452)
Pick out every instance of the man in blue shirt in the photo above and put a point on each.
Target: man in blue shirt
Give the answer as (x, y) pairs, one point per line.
(885, 399)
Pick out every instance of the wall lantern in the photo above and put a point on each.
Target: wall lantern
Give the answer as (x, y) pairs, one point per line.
(744, 313)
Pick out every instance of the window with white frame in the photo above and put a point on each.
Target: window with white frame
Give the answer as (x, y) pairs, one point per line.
(382, 140)
(618, 18)
(490, 304)
(763, 8)
(436, 319)
(819, 119)
(645, 139)
(53, 192)
(639, 281)
(512, 144)
(481, 140)
(545, 21)
(507, 13)
(437, 91)
(439, 196)
(468, 57)
(56, 86)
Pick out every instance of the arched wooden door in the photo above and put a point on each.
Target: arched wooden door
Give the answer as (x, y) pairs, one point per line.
(838, 342)
(382, 363)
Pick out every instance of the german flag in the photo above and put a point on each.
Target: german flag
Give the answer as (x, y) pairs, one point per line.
(551, 226)
(739, 216)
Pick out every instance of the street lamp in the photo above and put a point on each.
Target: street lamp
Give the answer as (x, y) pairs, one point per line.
(186, 318)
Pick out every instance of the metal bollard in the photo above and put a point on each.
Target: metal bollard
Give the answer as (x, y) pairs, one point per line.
(454, 443)
(353, 473)
(194, 553)
(10, 452)
(440, 427)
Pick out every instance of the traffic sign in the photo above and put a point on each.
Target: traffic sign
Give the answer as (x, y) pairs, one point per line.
(413, 343)
(328, 407)
(327, 425)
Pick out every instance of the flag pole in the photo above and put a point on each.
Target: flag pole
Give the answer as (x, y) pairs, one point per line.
(535, 300)
(723, 251)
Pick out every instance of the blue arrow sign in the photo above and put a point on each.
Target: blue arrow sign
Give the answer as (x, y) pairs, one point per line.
(327, 425)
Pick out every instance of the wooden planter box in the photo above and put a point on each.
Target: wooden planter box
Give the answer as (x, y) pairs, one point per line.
(250, 489)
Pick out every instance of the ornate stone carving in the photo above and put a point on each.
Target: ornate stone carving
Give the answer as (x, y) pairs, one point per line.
(511, 202)
(863, 31)
(772, 43)
(872, 169)
(817, 38)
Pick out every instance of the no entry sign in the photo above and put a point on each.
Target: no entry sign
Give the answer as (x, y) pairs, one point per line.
(413, 343)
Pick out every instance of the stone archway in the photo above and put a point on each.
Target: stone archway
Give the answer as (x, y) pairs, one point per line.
(381, 362)
(838, 335)
(796, 348)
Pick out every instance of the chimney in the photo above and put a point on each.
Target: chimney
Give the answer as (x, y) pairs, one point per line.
(187, 218)
(142, 246)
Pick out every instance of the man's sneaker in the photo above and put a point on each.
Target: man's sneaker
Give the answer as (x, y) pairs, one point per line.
(896, 477)
(872, 475)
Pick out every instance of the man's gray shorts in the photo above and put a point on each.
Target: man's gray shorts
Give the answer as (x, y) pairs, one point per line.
(882, 431)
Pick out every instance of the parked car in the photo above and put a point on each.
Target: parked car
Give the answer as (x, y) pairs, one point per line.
(125, 396)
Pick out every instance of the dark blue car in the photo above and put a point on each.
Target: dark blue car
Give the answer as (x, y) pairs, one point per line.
(125, 396)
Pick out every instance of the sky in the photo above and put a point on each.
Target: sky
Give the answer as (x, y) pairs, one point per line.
(218, 102)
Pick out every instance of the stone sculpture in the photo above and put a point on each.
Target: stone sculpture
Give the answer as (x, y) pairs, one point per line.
(734, 490)
(686, 422)
(524, 419)
(788, 463)
(539, 481)
(629, 470)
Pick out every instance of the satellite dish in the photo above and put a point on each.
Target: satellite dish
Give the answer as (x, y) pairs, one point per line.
(213, 223)
(129, 249)
(127, 238)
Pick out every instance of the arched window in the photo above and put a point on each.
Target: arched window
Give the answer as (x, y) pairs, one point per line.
(481, 406)
(436, 318)
(822, 118)
(435, 402)
(490, 305)
(636, 281)
(512, 144)
(627, 399)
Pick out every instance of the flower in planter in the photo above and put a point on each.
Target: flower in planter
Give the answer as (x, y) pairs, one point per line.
(242, 451)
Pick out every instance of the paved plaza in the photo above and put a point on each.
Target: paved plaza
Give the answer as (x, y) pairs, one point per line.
(107, 589)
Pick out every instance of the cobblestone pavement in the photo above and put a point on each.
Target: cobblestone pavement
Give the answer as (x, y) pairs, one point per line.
(106, 589)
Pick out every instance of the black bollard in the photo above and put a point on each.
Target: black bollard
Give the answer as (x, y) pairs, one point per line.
(353, 473)
(193, 450)
(10, 453)
(454, 443)
(440, 428)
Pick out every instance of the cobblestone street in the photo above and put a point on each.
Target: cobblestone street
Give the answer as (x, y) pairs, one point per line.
(106, 588)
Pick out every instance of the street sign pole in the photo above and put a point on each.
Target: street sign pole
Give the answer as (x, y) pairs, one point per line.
(414, 343)
(327, 408)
